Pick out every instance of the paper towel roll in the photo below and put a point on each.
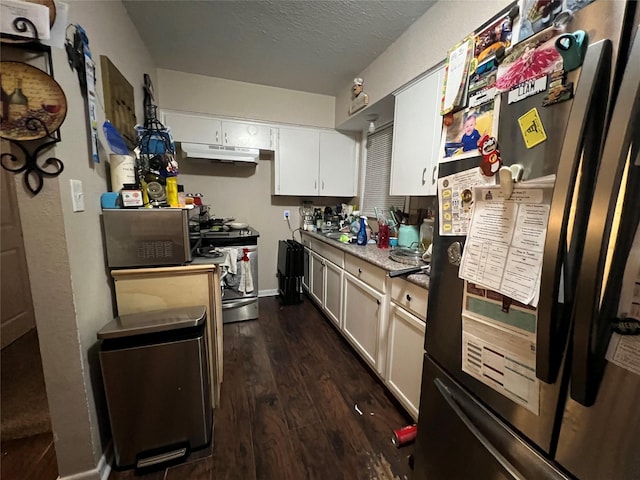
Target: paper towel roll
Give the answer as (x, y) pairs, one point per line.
(122, 171)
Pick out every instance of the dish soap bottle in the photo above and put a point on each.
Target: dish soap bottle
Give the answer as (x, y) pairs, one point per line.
(362, 233)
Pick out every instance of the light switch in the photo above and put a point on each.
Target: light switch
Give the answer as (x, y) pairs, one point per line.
(77, 197)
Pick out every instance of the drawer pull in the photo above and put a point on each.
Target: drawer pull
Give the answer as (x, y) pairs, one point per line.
(359, 271)
(408, 297)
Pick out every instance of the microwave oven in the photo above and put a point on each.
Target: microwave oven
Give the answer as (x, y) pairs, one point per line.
(146, 237)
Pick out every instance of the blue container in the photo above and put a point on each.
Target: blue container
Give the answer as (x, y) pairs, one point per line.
(110, 200)
(362, 233)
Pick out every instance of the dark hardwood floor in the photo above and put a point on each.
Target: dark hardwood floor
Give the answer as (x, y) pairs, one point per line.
(31, 457)
(288, 407)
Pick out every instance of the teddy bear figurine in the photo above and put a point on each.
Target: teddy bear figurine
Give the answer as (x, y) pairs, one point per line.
(491, 161)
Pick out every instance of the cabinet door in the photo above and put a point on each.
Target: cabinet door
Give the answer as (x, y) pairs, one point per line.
(317, 278)
(191, 128)
(416, 137)
(363, 312)
(405, 356)
(333, 292)
(337, 165)
(236, 134)
(297, 160)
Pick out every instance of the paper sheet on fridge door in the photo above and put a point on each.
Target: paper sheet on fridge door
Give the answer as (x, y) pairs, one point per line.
(505, 242)
(624, 351)
(501, 359)
(455, 213)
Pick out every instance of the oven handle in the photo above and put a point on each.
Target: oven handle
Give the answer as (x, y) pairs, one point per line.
(238, 303)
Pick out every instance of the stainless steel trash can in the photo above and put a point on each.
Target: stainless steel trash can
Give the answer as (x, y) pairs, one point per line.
(156, 379)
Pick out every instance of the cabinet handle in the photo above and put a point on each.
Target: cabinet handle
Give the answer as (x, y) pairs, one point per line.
(323, 184)
(315, 184)
(226, 140)
(433, 175)
(424, 170)
(378, 301)
(359, 271)
(217, 136)
(408, 297)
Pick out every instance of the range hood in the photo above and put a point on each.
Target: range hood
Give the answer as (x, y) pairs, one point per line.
(245, 156)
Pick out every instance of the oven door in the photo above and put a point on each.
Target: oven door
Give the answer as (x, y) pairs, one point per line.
(240, 290)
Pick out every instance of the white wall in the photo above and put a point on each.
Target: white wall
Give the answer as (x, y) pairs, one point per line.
(237, 190)
(197, 93)
(420, 48)
(70, 285)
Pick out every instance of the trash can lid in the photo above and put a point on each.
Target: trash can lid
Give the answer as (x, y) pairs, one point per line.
(153, 322)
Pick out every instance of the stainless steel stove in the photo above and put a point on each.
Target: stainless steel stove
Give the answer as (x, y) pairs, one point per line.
(236, 253)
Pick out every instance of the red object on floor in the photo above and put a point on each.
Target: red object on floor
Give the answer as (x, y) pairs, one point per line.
(404, 435)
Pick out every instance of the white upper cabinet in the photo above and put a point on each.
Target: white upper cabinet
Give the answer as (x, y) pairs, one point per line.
(297, 162)
(191, 128)
(312, 162)
(337, 165)
(194, 128)
(416, 137)
(236, 134)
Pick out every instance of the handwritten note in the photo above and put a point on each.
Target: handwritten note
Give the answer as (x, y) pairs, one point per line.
(455, 82)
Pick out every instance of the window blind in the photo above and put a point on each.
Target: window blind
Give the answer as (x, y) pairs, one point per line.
(378, 174)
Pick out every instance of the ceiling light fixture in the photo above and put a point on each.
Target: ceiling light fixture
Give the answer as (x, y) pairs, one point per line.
(372, 122)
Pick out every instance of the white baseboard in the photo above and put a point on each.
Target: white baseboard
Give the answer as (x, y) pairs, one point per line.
(268, 293)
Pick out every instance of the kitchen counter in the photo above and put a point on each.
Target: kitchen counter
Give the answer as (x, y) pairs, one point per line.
(374, 255)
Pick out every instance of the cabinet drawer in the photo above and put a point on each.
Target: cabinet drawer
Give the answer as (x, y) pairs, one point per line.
(328, 252)
(369, 274)
(410, 296)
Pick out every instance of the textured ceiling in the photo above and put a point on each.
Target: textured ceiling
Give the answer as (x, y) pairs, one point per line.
(308, 45)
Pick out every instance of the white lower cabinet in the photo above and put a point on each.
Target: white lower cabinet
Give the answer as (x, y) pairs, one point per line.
(333, 293)
(325, 286)
(364, 310)
(382, 318)
(316, 266)
(404, 357)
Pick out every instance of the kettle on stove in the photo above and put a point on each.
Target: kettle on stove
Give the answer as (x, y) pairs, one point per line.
(408, 236)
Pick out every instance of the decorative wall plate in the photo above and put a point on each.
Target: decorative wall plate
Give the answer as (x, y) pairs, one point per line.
(29, 34)
(45, 108)
(50, 4)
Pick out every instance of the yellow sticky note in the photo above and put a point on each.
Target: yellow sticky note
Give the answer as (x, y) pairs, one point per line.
(531, 128)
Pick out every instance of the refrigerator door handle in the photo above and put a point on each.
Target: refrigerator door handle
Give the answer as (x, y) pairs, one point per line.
(581, 149)
(592, 316)
(504, 463)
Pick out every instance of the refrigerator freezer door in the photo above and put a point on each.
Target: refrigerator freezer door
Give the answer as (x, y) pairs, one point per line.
(444, 342)
(460, 439)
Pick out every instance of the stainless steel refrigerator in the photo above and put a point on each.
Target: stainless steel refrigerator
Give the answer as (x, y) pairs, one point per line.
(587, 425)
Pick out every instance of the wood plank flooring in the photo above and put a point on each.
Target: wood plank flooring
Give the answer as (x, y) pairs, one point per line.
(287, 411)
(31, 457)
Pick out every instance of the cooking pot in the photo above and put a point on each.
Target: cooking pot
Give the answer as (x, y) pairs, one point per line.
(408, 236)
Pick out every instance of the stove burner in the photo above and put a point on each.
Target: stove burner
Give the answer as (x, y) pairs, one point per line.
(211, 254)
